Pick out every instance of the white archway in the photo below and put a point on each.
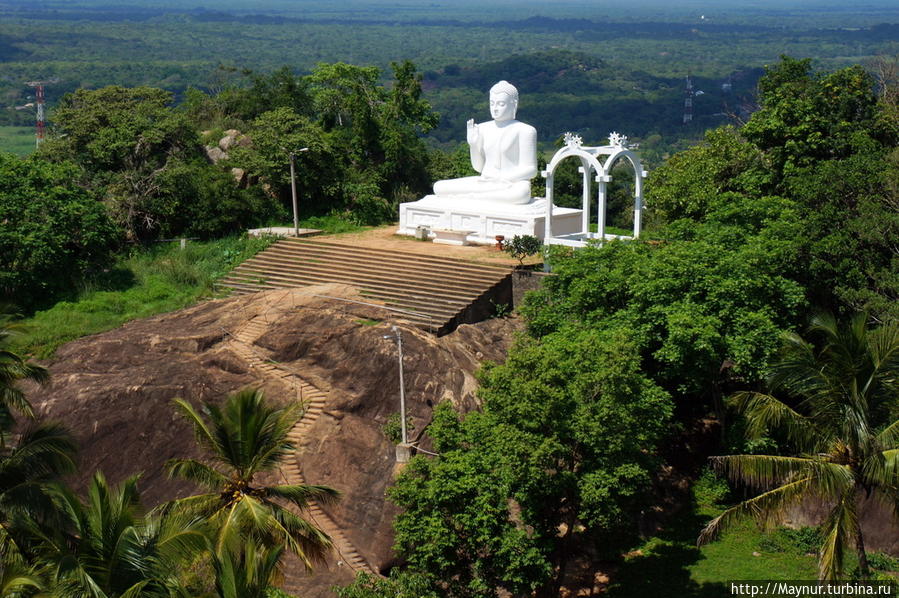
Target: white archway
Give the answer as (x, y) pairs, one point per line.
(601, 171)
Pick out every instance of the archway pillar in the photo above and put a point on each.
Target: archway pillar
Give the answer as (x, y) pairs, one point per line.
(548, 219)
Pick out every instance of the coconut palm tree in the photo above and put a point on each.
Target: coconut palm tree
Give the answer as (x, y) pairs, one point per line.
(110, 549)
(19, 580)
(13, 368)
(244, 439)
(28, 468)
(248, 572)
(835, 403)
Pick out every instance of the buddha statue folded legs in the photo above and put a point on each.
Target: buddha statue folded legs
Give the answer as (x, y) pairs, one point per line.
(514, 192)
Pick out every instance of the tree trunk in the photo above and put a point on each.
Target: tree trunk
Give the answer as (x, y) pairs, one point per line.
(863, 568)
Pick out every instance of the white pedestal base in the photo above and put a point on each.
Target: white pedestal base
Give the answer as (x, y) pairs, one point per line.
(486, 219)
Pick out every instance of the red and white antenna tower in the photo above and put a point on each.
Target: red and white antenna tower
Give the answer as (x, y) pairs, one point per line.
(39, 104)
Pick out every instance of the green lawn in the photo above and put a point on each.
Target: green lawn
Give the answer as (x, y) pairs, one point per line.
(670, 565)
(149, 281)
(17, 140)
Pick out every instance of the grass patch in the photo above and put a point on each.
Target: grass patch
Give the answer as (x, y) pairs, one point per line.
(670, 565)
(368, 322)
(149, 281)
(613, 230)
(17, 140)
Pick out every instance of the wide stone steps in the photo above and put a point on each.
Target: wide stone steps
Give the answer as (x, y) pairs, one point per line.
(409, 292)
(427, 290)
(314, 400)
(390, 255)
(268, 267)
(351, 256)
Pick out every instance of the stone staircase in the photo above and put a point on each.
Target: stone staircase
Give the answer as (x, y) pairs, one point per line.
(242, 343)
(435, 293)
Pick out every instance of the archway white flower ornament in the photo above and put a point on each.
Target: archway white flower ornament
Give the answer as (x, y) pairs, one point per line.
(572, 140)
(617, 139)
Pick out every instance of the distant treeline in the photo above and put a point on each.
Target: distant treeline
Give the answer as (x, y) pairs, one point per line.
(593, 28)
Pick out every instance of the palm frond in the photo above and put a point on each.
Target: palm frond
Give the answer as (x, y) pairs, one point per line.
(765, 471)
(796, 370)
(881, 470)
(135, 591)
(836, 529)
(764, 508)
(19, 581)
(888, 438)
(270, 455)
(230, 527)
(13, 368)
(177, 537)
(200, 474)
(14, 399)
(204, 436)
(301, 494)
(764, 412)
(883, 348)
(200, 505)
(43, 450)
(304, 539)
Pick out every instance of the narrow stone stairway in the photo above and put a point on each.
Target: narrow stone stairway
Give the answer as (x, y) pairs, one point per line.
(241, 343)
(435, 293)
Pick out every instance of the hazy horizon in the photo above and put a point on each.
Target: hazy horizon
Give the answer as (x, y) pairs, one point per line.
(774, 13)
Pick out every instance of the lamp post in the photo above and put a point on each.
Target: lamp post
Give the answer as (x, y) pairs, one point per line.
(402, 451)
(293, 190)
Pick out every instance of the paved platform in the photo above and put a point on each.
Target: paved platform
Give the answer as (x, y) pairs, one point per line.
(385, 237)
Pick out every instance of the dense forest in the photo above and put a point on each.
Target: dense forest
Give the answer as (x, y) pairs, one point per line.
(761, 302)
(613, 70)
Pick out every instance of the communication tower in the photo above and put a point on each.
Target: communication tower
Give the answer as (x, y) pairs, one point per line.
(39, 107)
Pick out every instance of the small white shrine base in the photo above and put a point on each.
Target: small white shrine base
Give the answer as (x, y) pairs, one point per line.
(484, 219)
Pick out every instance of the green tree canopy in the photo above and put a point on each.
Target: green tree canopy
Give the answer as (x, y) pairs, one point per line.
(144, 159)
(560, 457)
(825, 142)
(707, 303)
(365, 152)
(53, 231)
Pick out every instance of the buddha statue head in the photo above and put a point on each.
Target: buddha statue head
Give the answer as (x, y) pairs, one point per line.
(503, 101)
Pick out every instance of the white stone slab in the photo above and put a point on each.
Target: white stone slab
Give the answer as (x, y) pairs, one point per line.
(451, 237)
(486, 219)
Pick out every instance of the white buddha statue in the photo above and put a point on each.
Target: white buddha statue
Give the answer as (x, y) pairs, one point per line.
(503, 150)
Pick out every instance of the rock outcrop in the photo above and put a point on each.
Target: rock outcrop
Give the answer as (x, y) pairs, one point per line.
(114, 390)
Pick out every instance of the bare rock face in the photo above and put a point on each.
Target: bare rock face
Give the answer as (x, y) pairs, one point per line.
(234, 138)
(229, 139)
(215, 154)
(359, 367)
(114, 391)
